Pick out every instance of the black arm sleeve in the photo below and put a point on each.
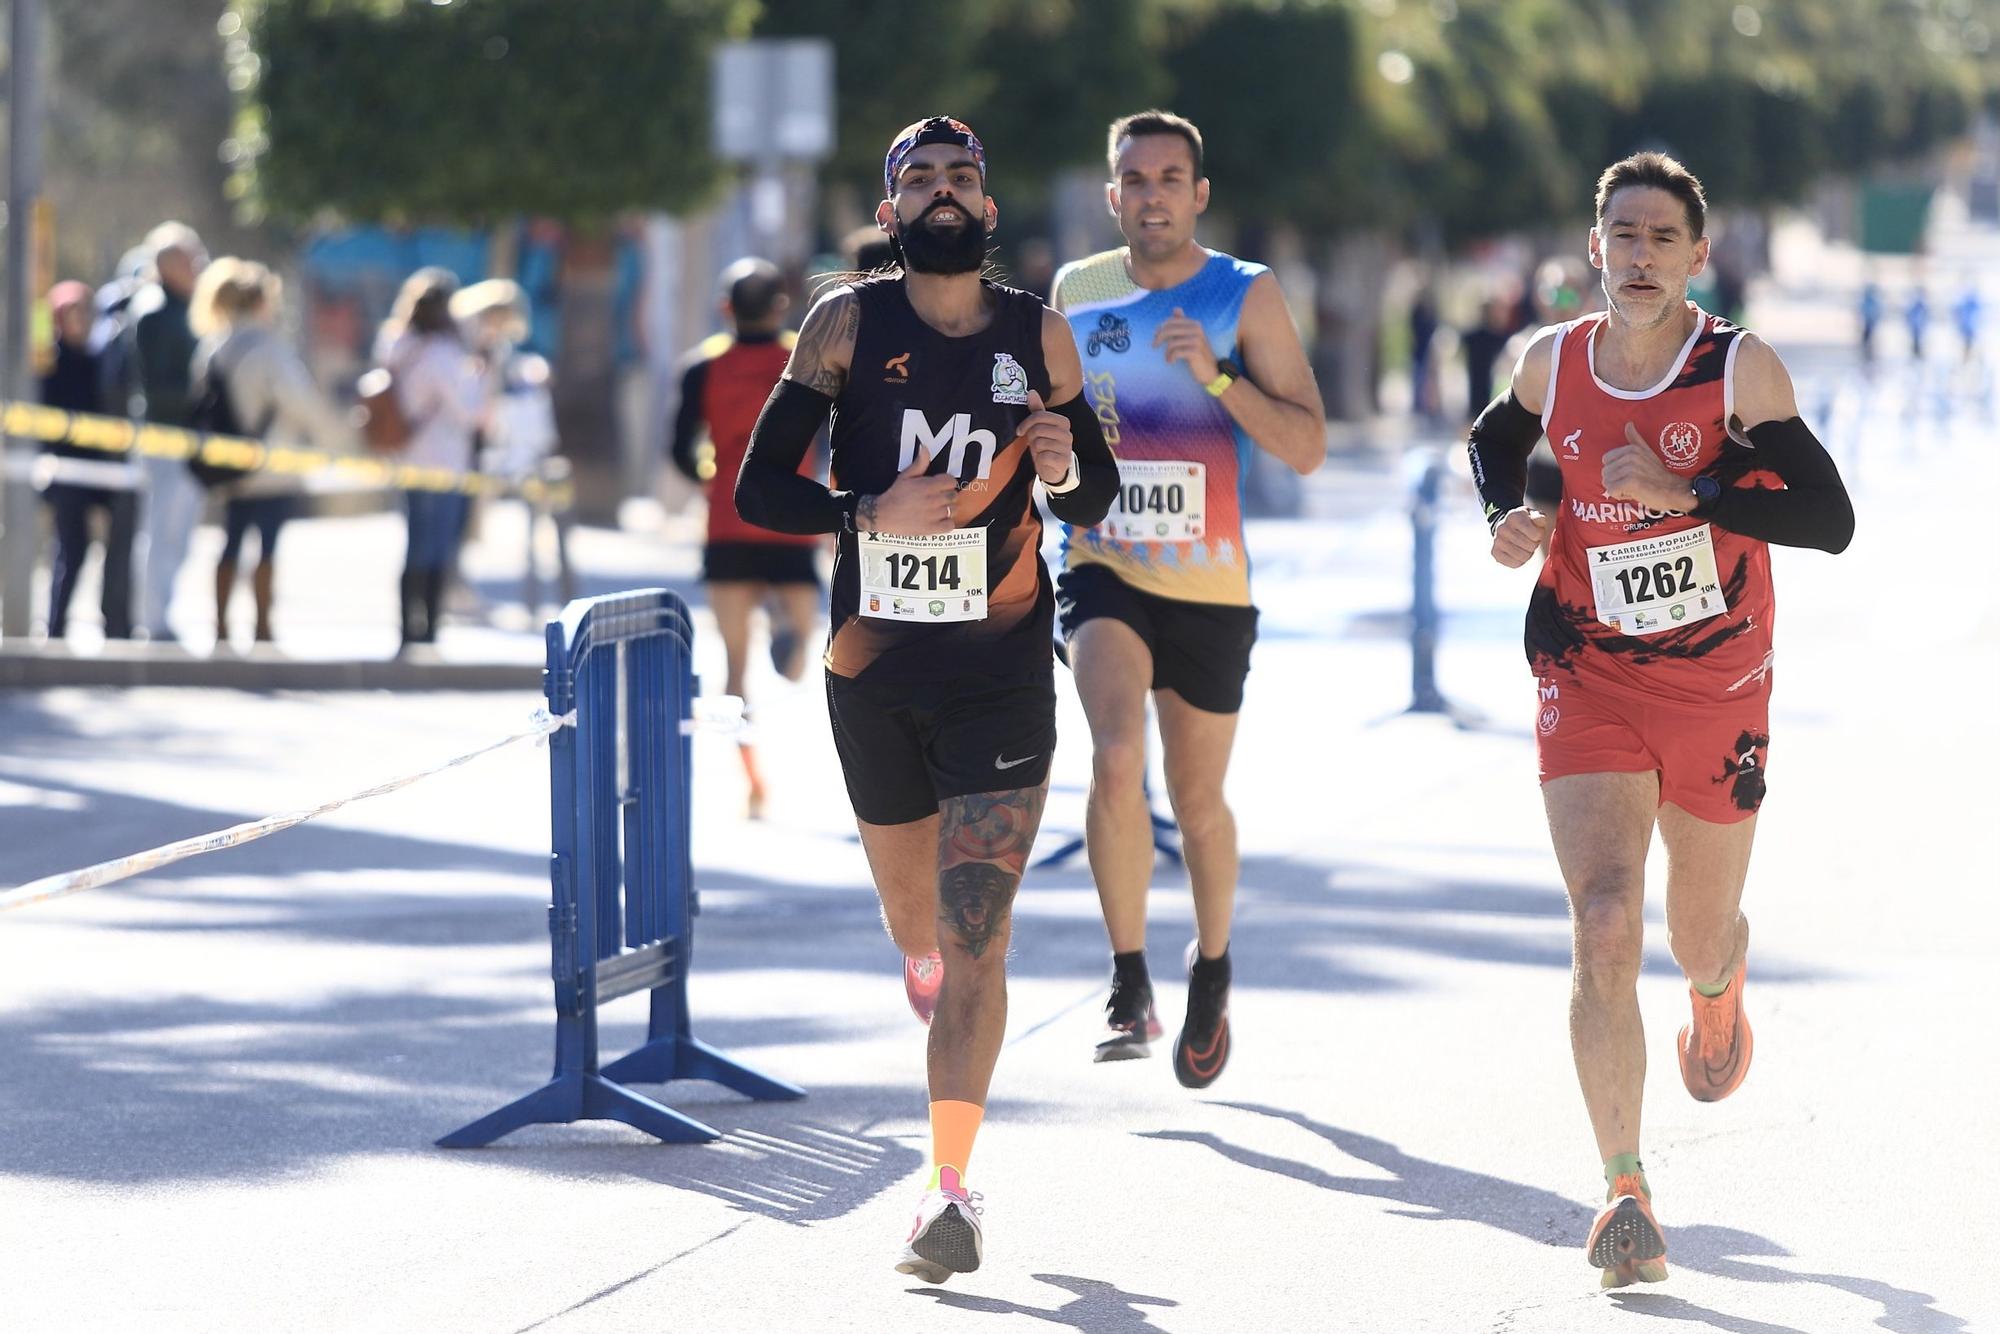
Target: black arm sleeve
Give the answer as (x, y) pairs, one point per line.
(1499, 445)
(1813, 509)
(688, 421)
(1086, 504)
(770, 492)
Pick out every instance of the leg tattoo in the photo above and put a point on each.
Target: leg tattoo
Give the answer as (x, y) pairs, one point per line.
(973, 900)
(983, 844)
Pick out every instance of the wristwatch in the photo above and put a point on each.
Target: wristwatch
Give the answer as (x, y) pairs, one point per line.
(1706, 491)
(1227, 373)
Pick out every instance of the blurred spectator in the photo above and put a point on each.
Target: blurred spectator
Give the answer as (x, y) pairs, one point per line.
(1918, 316)
(1563, 290)
(1482, 346)
(1968, 313)
(163, 350)
(1871, 318)
(520, 436)
(75, 383)
(727, 381)
(1035, 267)
(272, 397)
(1423, 361)
(520, 429)
(868, 248)
(443, 395)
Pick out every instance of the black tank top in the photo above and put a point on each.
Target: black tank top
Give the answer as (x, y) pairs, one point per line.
(963, 399)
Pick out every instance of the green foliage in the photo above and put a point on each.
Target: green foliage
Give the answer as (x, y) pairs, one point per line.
(470, 110)
(1039, 79)
(1463, 117)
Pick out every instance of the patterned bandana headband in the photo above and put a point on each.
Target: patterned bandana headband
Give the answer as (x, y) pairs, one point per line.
(936, 130)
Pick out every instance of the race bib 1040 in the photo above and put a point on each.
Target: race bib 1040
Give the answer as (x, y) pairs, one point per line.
(925, 580)
(1158, 501)
(1656, 583)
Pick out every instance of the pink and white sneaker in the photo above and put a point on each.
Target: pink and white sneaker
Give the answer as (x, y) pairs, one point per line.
(946, 1238)
(922, 979)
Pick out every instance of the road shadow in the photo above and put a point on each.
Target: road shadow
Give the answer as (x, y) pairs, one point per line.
(1436, 1191)
(1097, 1306)
(190, 1088)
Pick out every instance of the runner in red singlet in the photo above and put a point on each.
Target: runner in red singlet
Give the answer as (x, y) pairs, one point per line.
(727, 379)
(1650, 633)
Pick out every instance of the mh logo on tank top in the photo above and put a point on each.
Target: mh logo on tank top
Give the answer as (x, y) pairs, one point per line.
(956, 435)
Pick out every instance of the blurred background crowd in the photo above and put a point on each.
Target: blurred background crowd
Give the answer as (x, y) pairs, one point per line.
(519, 210)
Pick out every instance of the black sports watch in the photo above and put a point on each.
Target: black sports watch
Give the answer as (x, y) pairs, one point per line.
(1706, 492)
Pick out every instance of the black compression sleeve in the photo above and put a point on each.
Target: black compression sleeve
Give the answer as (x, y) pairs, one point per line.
(1813, 509)
(770, 492)
(1498, 445)
(1086, 504)
(688, 420)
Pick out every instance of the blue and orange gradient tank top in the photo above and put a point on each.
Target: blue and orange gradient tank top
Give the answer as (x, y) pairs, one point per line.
(1154, 413)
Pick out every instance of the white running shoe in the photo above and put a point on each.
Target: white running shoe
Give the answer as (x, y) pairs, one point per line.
(945, 1239)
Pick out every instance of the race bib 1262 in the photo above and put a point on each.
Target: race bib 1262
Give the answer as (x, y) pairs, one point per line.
(1656, 583)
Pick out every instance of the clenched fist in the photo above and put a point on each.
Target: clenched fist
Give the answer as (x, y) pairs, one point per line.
(1518, 536)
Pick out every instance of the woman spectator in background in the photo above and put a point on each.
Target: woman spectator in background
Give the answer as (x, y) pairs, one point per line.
(444, 396)
(273, 397)
(75, 383)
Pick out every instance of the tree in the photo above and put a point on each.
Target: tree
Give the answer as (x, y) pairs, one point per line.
(471, 113)
(136, 113)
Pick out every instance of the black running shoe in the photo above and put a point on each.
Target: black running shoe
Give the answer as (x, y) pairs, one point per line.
(1130, 1024)
(788, 652)
(1202, 1049)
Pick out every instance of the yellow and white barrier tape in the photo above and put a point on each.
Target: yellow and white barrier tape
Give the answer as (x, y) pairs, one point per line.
(120, 435)
(121, 868)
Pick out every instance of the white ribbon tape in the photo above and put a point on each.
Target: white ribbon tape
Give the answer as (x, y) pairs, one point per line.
(105, 873)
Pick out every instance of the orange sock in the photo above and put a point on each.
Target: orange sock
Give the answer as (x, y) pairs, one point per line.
(954, 1125)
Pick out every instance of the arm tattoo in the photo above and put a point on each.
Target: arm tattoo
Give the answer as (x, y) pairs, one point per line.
(864, 513)
(830, 328)
(974, 899)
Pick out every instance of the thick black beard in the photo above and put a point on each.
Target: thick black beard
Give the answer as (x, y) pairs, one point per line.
(928, 249)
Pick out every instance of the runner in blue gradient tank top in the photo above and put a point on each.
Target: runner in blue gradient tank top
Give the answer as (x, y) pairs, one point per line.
(1191, 362)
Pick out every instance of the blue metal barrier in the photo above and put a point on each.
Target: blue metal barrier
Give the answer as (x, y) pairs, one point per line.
(623, 904)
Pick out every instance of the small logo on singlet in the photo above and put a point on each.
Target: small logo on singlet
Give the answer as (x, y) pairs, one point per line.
(901, 367)
(1010, 382)
(1680, 444)
(1112, 334)
(1570, 447)
(1551, 715)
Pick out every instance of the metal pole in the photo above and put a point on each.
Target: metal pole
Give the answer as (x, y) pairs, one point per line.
(1424, 694)
(24, 181)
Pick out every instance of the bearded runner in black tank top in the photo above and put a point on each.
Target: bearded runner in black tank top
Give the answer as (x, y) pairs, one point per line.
(961, 399)
(950, 396)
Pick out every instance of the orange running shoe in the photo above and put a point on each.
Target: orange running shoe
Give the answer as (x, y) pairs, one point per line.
(922, 980)
(1715, 1048)
(1625, 1240)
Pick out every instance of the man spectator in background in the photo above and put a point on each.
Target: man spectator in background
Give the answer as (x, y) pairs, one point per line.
(75, 383)
(163, 347)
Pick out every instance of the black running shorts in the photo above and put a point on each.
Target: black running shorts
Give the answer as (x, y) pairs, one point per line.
(759, 562)
(906, 746)
(1201, 650)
